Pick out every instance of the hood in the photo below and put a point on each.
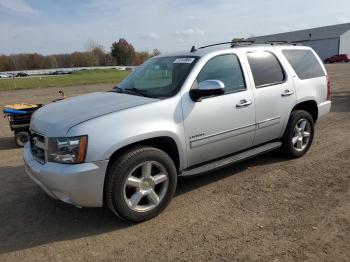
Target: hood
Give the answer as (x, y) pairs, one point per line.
(56, 118)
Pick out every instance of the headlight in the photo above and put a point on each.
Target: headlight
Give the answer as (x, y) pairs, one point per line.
(68, 150)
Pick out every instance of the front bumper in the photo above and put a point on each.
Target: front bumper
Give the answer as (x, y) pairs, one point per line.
(78, 184)
(324, 108)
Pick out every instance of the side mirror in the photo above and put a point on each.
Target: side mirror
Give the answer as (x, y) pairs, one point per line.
(207, 88)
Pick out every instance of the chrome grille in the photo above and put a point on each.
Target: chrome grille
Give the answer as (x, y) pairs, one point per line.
(38, 147)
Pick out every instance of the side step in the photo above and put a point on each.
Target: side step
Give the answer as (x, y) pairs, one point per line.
(231, 159)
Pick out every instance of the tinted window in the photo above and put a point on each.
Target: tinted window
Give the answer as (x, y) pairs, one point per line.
(158, 77)
(266, 68)
(304, 63)
(225, 68)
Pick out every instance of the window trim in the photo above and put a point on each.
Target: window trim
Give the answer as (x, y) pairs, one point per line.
(232, 92)
(285, 75)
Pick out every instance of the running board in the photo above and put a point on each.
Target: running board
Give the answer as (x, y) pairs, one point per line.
(231, 159)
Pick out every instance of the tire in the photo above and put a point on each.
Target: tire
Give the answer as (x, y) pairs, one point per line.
(21, 138)
(140, 183)
(299, 134)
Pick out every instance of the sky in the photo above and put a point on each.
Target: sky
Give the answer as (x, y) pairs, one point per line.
(63, 26)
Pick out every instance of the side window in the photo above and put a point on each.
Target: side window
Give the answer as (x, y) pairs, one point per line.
(225, 68)
(304, 63)
(266, 68)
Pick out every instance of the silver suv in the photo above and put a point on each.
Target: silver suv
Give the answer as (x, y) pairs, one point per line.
(176, 115)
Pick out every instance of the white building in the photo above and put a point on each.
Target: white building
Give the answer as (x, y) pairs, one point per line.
(327, 41)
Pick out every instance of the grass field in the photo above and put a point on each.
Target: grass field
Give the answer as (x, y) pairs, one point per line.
(77, 78)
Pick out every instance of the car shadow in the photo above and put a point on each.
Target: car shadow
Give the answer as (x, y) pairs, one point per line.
(7, 143)
(30, 218)
(340, 101)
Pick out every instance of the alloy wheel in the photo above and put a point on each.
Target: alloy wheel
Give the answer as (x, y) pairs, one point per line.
(301, 134)
(146, 186)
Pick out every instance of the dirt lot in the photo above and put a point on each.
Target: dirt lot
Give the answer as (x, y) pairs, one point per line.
(266, 209)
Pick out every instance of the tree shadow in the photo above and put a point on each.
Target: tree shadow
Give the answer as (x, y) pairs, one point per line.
(30, 218)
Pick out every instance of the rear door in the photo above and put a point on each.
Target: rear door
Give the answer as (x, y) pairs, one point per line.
(274, 94)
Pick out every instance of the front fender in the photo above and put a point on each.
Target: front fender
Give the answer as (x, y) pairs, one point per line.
(109, 133)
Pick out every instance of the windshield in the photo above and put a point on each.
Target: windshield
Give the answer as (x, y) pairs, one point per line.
(158, 77)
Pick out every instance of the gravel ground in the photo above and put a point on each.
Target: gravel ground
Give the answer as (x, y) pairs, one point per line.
(265, 209)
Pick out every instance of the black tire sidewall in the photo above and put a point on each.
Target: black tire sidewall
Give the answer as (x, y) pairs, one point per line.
(18, 138)
(119, 173)
(288, 136)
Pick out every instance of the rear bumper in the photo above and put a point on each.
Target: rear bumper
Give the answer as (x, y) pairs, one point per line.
(324, 108)
(80, 185)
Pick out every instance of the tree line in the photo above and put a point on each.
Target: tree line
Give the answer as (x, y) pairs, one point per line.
(122, 53)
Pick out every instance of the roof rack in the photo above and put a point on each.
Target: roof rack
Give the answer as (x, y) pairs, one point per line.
(232, 43)
(277, 42)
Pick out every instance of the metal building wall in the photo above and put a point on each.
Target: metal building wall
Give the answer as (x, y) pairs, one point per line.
(345, 43)
(324, 47)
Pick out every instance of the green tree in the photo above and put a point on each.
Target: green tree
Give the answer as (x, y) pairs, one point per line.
(123, 52)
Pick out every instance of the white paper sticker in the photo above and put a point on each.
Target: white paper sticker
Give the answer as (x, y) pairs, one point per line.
(184, 60)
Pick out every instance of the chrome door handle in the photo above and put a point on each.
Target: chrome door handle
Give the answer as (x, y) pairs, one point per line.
(244, 103)
(287, 93)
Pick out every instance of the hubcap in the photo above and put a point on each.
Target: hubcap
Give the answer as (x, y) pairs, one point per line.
(146, 186)
(301, 134)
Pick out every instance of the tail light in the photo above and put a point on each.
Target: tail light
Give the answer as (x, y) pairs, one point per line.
(328, 88)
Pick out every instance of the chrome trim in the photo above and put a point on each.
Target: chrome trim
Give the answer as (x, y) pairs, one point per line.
(220, 133)
(268, 122)
(42, 145)
(39, 144)
(269, 119)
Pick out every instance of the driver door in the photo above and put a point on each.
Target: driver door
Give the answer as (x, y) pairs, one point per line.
(219, 125)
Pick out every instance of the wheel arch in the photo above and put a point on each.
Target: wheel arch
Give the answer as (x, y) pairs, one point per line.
(164, 143)
(309, 106)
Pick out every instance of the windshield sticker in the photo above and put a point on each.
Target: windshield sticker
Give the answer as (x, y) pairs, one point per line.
(184, 60)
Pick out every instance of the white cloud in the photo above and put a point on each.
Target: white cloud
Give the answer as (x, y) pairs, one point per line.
(150, 36)
(190, 32)
(343, 20)
(20, 6)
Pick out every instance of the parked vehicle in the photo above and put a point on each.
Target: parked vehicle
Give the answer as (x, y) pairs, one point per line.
(4, 75)
(176, 115)
(21, 74)
(61, 72)
(338, 58)
(19, 116)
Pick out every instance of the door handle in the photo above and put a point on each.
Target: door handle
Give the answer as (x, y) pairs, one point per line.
(244, 103)
(287, 93)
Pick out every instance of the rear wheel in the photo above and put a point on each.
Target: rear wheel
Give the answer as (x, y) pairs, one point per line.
(140, 183)
(299, 134)
(21, 138)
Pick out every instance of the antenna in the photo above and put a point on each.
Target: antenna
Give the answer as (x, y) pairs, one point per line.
(193, 49)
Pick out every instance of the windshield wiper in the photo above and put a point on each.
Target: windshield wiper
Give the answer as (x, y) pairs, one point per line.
(132, 91)
(138, 92)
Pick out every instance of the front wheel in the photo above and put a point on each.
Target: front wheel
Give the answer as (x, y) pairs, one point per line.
(299, 134)
(140, 183)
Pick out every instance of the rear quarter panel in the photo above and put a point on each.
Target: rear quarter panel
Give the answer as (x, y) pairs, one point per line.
(308, 89)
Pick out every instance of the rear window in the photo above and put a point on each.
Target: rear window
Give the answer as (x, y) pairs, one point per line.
(266, 68)
(304, 63)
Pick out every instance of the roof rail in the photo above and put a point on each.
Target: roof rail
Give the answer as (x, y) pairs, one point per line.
(232, 43)
(277, 42)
